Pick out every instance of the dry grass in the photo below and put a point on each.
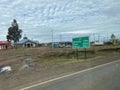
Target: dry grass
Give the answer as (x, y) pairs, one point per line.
(49, 63)
(56, 56)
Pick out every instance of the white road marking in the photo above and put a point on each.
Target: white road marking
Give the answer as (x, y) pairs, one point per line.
(38, 84)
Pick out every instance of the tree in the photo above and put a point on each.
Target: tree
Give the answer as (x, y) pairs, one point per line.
(113, 39)
(14, 33)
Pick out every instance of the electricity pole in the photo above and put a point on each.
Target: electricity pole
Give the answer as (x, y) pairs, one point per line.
(60, 37)
(52, 38)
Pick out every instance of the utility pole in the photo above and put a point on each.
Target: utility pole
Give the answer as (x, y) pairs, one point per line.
(60, 37)
(107, 37)
(94, 36)
(98, 37)
(52, 38)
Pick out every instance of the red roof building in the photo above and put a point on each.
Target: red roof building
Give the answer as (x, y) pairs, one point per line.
(5, 45)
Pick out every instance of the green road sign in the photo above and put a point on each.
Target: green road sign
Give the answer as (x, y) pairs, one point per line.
(81, 42)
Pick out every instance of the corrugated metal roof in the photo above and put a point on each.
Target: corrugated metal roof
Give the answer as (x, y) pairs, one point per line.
(4, 42)
(24, 40)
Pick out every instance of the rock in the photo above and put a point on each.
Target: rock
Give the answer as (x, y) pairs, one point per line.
(6, 69)
(24, 67)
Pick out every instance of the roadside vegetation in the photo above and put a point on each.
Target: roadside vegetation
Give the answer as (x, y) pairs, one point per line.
(33, 64)
(56, 56)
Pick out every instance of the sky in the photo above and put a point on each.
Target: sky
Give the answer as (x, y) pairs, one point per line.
(60, 20)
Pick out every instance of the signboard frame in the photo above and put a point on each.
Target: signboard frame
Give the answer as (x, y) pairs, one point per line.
(81, 42)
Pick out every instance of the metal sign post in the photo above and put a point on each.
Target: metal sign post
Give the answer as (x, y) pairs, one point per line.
(85, 53)
(77, 53)
(81, 42)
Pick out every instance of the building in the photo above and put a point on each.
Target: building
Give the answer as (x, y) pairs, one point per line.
(5, 45)
(26, 43)
(65, 44)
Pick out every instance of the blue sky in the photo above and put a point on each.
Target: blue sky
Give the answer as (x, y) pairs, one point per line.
(65, 18)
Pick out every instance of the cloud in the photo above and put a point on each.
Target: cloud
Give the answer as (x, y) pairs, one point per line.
(71, 16)
(77, 32)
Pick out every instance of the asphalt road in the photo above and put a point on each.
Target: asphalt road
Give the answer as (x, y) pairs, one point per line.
(106, 77)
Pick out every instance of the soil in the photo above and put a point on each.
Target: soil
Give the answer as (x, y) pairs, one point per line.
(38, 72)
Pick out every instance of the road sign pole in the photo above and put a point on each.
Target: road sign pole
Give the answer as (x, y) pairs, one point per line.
(85, 53)
(81, 42)
(77, 53)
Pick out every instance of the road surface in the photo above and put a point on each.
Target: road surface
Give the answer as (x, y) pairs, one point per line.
(104, 77)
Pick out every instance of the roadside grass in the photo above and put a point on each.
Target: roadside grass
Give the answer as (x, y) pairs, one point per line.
(58, 56)
(67, 60)
(73, 60)
(70, 56)
(65, 57)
